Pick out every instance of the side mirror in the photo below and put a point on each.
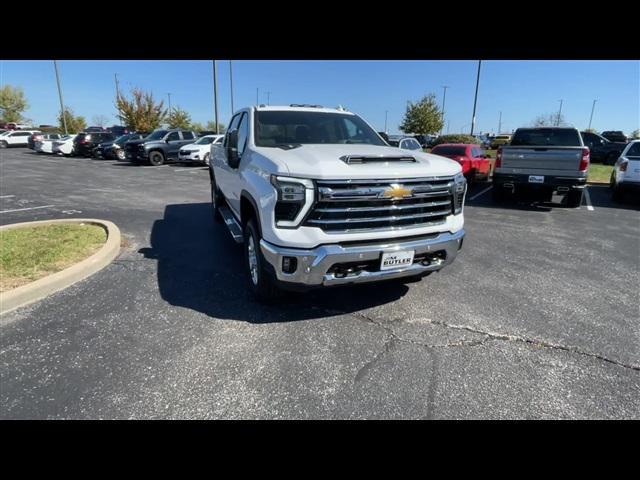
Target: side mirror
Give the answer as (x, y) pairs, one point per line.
(232, 149)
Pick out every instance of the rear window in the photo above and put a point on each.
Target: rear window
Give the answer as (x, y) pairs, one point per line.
(561, 137)
(634, 150)
(446, 150)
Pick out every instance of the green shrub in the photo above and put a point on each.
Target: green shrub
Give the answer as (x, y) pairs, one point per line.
(456, 138)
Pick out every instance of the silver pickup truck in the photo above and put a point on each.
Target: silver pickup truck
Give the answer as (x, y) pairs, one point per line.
(543, 161)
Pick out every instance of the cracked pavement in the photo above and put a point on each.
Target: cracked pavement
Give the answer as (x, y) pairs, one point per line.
(538, 318)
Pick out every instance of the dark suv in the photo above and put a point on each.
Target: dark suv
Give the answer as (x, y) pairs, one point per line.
(615, 136)
(85, 142)
(114, 149)
(159, 147)
(602, 149)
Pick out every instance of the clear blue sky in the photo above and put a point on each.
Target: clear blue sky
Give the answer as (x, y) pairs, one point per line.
(522, 90)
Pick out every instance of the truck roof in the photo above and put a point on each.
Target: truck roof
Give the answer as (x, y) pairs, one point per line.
(299, 108)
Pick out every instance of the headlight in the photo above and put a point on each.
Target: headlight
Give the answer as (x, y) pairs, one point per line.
(295, 196)
(459, 190)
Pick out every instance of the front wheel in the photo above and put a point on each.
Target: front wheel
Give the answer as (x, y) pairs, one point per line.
(156, 158)
(574, 198)
(121, 155)
(3, 144)
(205, 160)
(260, 281)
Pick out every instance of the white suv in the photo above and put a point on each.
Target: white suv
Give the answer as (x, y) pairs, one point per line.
(16, 138)
(319, 199)
(625, 176)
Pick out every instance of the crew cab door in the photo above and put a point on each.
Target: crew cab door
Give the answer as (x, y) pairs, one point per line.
(228, 179)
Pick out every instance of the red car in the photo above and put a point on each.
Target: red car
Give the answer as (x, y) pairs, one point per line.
(475, 162)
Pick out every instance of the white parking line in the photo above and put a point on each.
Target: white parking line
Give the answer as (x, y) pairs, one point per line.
(23, 209)
(587, 200)
(483, 191)
(156, 166)
(7, 196)
(190, 170)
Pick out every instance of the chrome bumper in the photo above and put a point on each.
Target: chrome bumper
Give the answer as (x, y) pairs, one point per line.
(314, 264)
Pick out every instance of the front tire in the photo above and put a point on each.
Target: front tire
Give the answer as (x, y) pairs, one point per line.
(260, 281)
(156, 158)
(3, 144)
(216, 201)
(121, 155)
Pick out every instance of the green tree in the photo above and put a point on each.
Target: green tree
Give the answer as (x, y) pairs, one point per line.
(179, 118)
(12, 103)
(635, 134)
(591, 130)
(197, 127)
(423, 117)
(74, 124)
(140, 112)
(211, 126)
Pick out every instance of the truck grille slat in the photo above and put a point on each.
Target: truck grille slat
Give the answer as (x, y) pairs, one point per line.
(369, 205)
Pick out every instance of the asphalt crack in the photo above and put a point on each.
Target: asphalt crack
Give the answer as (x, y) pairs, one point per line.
(488, 336)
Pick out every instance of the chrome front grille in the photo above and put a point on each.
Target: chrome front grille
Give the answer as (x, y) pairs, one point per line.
(366, 205)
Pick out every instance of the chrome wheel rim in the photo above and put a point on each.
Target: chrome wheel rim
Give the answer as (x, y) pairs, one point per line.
(253, 260)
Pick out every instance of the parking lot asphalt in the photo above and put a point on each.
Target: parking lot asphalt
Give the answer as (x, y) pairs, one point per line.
(538, 317)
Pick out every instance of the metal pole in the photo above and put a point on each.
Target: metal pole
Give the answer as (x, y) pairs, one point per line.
(385, 120)
(500, 124)
(231, 82)
(215, 96)
(475, 100)
(444, 96)
(118, 97)
(559, 113)
(592, 109)
(268, 97)
(64, 113)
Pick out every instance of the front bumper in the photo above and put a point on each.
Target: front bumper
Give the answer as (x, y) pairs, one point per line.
(317, 266)
(191, 157)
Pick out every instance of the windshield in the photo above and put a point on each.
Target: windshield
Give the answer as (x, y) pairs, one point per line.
(122, 138)
(157, 135)
(561, 137)
(205, 141)
(282, 128)
(449, 150)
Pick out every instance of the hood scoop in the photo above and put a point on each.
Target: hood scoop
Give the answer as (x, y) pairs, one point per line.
(362, 159)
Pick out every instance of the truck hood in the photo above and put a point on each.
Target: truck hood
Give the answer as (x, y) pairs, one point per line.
(324, 162)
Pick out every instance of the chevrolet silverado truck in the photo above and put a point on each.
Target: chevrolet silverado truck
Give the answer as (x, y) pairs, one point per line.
(542, 161)
(319, 199)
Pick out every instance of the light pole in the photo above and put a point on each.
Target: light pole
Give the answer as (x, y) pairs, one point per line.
(268, 94)
(231, 83)
(118, 98)
(475, 100)
(444, 96)
(559, 113)
(500, 124)
(592, 109)
(386, 112)
(215, 97)
(64, 114)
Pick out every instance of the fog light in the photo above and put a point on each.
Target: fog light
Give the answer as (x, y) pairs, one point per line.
(289, 264)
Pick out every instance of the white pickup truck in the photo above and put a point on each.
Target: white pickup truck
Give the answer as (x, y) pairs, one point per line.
(319, 199)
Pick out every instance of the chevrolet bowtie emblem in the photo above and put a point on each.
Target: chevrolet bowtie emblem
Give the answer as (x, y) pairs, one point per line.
(396, 192)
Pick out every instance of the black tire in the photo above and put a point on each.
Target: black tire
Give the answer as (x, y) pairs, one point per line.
(205, 160)
(217, 201)
(3, 144)
(156, 158)
(121, 155)
(260, 280)
(574, 198)
(497, 193)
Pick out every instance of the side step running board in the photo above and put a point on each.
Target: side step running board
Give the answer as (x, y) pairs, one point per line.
(232, 224)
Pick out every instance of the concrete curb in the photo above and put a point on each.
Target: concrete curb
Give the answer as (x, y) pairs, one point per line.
(55, 282)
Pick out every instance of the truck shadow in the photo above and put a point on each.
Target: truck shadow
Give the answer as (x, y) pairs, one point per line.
(200, 267)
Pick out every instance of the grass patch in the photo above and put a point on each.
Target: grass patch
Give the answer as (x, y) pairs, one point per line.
(599, 173)
(30, 253)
